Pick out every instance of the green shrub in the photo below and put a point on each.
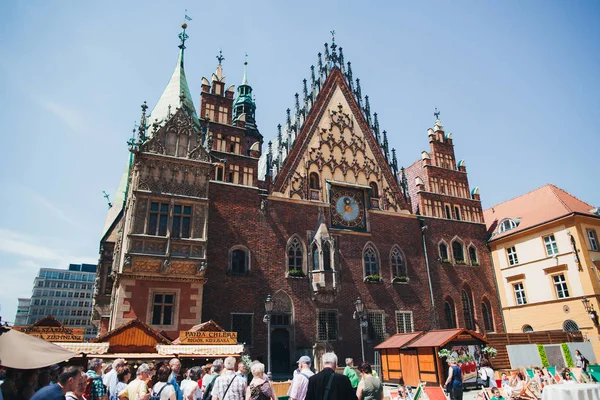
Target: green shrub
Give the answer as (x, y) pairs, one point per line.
(567, 354)
(543, 355)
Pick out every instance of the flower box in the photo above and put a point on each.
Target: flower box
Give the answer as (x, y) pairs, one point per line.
(475, 263)
(400, 279)
(373, 279)
(296, 273)
(460, 262)
(446, 261)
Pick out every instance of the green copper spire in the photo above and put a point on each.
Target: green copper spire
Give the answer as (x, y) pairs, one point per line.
(177, 93)
(244, 103)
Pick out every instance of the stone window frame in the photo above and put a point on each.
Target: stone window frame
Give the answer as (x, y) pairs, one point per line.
(471, 260)
(304, 267)
(248, 254)
(440, 251)
(469, 307)
(367, 246)
(552, 243)
(150, 310)
(592, 239)
(337, 323)
(404, 313)
(486, 305)
(457, 239)
(393, 270)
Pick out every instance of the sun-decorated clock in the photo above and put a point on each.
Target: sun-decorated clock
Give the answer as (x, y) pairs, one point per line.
(348, 208)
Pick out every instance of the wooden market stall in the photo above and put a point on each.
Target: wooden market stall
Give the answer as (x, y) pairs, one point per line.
(411, 358)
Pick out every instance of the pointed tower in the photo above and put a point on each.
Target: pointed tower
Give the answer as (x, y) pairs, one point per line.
(244, 106)
(176, 94)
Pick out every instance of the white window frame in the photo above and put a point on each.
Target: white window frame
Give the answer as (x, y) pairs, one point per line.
(550, 245)
(404, 314)
(560, 286)
(511, 254)
(591, 234)
(520, 295)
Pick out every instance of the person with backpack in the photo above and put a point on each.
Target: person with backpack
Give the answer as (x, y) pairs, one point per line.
(94, 388)
(217, 367)
(299, 385)
(582, 362)
(229, 386)
(163, 390)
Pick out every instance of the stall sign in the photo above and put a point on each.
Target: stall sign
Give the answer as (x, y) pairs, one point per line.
(203, 337)
(53, 333)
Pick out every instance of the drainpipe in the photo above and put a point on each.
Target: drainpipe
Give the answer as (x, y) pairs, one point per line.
(434, 314)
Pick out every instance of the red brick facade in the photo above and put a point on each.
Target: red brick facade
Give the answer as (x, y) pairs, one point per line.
(252, 226)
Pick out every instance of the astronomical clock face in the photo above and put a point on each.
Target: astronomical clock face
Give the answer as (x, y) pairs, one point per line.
(348, 209)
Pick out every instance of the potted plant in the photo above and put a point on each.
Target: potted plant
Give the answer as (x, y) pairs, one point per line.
(296, 273)
(373, 278)
(474, 263)
(444, 353)
(490, 352)
(460, 262)
(446, 261)
(400, 279)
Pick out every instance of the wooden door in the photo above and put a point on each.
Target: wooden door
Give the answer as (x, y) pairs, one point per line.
(410, 367)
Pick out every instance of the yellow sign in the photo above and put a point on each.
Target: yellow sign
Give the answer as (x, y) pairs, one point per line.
(53, 334)
(202, 337)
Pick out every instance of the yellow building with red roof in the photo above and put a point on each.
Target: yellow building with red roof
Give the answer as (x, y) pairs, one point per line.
(546, 254)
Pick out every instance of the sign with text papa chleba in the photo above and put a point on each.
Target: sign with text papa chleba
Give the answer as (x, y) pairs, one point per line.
(203, 337)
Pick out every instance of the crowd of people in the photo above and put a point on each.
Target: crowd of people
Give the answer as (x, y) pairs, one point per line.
(219, 380)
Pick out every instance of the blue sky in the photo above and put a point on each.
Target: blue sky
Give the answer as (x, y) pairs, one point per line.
(517, 83)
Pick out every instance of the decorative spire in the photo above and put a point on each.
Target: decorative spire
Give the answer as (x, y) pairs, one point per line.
(358, 93)
(386, 152)
(270, 159)
(334, 59)
(297, 105)
(245, 78)
(395, 163)
(320, 70)
(220, 56)
(376, 128)
(313, 80)
(279, 137)
(143, 125)
(327, 59)
(288, 120)
(305, 91)
(349, 77)
(367, 110)
(176, 94)
(404, 183)
(341, 61)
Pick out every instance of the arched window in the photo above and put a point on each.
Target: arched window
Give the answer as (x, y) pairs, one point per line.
(450, 313)
(448, 212)
(374, 190)
(508, 224)
(397, 262)
(473, 255)
(486, 313)
(314, 180)
(371, 262)
(295, 253)
(527, 328)
(444, 252)
(326, 257)
(570, 326)
(315, 257)
(457, 251)
(467, 303)
(239, 260)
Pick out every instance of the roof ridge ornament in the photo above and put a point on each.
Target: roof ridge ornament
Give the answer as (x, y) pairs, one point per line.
(437, 114)
(220, 56)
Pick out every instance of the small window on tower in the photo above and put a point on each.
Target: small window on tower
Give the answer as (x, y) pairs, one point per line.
(448, 212)
(313, 183)
(374, 195)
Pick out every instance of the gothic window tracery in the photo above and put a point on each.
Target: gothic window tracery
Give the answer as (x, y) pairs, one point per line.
(371, 261)
(397, 262)
(295, 251)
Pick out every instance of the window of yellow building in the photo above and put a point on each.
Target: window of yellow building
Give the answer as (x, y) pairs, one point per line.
(551, 246)
(591, 234)
(520, 296)
(511, 253)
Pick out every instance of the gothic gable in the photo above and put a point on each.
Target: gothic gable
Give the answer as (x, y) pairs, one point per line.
(177, 138)
(337, 146)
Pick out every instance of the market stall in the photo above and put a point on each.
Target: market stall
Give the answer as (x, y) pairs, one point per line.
(22, 351)
(413, 357)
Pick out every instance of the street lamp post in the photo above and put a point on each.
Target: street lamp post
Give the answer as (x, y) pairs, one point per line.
(267, 319)
(361, 315)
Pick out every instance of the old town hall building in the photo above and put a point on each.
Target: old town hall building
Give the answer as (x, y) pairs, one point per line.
(210, 219)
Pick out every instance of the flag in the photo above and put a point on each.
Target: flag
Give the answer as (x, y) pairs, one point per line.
(187, 17)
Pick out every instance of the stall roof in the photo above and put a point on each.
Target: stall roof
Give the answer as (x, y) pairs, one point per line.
(441, 337)
(398, 340)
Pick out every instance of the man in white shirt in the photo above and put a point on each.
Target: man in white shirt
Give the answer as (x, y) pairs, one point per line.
(299, 385)
(111, 380)
(229, 386)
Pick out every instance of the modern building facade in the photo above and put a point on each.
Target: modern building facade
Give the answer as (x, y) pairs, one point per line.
(210, 220)
(546, 257)
(22, 311)
(66, 294)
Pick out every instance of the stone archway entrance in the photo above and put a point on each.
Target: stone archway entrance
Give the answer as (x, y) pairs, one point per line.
(282, 330)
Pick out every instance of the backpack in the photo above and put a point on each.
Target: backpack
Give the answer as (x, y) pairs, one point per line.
(156, 396)
(256, 392)
(88, 393)
(209, 388)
